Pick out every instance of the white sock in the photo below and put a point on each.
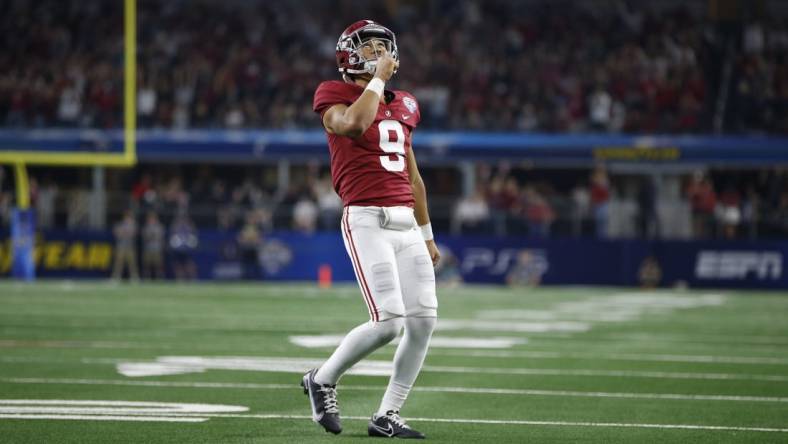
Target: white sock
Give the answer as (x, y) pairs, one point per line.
(407, 362)
(360, 342)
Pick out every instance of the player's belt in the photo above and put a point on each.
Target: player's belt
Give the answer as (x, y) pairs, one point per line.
(397, 218)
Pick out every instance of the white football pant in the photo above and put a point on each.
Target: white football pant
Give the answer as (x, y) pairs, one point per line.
(393, 268)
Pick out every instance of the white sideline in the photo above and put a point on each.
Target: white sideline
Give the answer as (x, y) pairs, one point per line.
(474, 390)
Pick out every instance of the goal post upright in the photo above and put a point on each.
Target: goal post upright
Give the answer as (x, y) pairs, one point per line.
(23, 221)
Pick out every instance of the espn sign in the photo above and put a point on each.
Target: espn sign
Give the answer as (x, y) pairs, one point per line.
(739, 264)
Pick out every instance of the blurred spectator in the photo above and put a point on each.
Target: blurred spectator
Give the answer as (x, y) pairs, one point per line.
(143, 192)
(174, 197)
(126, 247)
(305, 215)
(601, 109)
(753, 41)
(45, 204)
(329, 203)
(447, 271)
(152, 247)
(648, 220)
(703, 201)
(146, 103)
(781, 213)
(472, 215)
(499, 205)
(649, 273)
(510, 199)
(183, 244)
(5, 201)
(581, 209)
(69, 109)
(527, 271)
(250, 240)
(6, 205)
(538, 213)
(729, 212)
(750, 210)
(600, 201)
(78, 209)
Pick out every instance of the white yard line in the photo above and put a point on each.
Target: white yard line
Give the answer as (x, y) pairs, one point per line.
(605, 373)
(533, 423)
(718, 338)
(320, 341)
(105, 417)
(557, 338)
(382, 368)
(464, 390)
(445, 324)
(194, 417)
(613, 356)
(114, 410)
(765, 344)
(24, 359)
(217, 385)
(16, 343)
(603, 345)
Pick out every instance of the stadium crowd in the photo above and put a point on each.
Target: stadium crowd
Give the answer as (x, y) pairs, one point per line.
(506, 200)
(531, 66)
(493, 65)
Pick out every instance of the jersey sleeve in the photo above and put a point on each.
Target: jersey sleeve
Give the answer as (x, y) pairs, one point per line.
(329, 94)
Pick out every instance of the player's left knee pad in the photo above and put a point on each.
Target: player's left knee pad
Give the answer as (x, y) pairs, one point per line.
(386, 292)
(427, 300)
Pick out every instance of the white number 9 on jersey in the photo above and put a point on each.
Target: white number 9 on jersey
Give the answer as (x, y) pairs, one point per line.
(397, 146)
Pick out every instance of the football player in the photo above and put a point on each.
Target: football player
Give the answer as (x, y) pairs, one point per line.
(385, 224)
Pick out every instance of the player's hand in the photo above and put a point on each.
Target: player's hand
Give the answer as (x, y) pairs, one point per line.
(385, 67)
(435, 254)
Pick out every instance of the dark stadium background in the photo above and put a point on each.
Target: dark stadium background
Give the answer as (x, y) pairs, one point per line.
(607, 181)
(609, 127)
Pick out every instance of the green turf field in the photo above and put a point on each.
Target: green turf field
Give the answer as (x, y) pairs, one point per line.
(209, 363)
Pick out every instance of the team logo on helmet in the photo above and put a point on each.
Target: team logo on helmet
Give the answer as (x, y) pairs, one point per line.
(350, 59)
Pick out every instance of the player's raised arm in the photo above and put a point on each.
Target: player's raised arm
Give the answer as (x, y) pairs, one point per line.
(420, 210)
(354, 120)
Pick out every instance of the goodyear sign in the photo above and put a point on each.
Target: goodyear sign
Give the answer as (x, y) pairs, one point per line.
(65, 254)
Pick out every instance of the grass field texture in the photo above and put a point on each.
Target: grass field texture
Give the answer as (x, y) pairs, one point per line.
(208, 363)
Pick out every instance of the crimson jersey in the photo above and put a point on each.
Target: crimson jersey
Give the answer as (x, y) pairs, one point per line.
(371, 170)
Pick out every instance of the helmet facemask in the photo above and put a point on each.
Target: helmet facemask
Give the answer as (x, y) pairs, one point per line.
(355, 43)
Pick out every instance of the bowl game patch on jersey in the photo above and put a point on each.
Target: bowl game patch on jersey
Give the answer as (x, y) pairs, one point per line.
(410, 104)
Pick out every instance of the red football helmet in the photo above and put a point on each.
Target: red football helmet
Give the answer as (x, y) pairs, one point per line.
(350, 60)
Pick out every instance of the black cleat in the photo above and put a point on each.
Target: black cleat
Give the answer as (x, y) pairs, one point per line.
(391, 425)
(323, 399)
